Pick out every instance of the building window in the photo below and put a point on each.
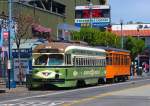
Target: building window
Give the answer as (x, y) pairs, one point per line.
(58, 8)
(49, 5)
(36, 4)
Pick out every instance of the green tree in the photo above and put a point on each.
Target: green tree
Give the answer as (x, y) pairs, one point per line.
(135, 45)
(22, 33)
(96, 37)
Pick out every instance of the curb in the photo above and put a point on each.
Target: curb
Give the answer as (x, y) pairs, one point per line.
(2, 91)
(18, 89)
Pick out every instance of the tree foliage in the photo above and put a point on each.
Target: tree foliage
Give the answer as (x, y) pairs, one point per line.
(135, 45)
(96, 37)
(102, 2)
(22, 33)
(23, 28)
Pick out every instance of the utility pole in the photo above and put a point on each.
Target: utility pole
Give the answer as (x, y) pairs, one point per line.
(10, 71)
(138, 30)
(90, 8)
(121, 23)
(138, 56)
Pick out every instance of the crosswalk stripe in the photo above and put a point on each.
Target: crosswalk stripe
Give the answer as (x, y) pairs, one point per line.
(34, 103)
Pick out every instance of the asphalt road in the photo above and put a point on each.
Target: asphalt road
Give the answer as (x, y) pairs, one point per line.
(132, 93)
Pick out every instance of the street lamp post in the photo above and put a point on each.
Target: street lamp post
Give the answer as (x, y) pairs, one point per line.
(11, 83)
(90, 7)
(138, 56)
(138, 30)
(121, 23)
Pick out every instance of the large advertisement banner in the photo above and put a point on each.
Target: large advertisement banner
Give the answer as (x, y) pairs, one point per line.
(20, 70)
(97, 15)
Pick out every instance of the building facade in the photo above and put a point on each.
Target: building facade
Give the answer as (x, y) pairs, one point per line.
(141, 31)
(48, 13)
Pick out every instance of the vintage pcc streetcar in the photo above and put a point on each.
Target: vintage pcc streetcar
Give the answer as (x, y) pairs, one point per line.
(66, 65)
(118, 64)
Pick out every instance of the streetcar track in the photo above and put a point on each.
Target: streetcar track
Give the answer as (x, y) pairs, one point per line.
(74, 90)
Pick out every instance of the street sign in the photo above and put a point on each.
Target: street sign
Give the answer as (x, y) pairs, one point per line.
(5, 35)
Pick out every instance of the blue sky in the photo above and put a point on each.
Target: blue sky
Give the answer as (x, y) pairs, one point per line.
(130, 10)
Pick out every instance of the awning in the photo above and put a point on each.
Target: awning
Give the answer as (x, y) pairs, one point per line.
(40, 28)
(68, 27)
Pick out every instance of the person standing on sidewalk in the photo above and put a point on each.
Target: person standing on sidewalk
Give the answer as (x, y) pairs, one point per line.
(131, 71)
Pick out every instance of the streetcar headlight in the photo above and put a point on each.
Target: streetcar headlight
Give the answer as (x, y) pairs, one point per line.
(56, 74)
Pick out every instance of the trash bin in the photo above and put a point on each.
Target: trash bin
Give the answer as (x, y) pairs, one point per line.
(11, 85)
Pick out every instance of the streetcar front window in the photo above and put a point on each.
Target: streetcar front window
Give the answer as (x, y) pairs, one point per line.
(49, 59)
(55, 59)
(40, 60)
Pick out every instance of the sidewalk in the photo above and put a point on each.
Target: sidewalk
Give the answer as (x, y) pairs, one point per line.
(18, 89)
(2, 88)
(23, 89)
(146, 75)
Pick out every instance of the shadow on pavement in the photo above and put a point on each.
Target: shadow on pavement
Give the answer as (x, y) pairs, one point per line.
(51, 87)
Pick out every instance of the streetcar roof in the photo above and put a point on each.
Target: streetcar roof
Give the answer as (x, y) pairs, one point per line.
(113, 49)
(53, 45)
(84, 48)
(63, 47)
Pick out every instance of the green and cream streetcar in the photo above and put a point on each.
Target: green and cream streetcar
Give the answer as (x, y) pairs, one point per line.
(66, 65)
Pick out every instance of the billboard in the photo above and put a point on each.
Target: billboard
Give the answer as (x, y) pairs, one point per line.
(97, 15)
(20, 70)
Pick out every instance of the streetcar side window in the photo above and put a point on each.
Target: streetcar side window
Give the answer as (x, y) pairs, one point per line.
(77, 61)
(125, 62)
(81, 59)
(109, 59)
(92, 62)
(100, 62)
(103, 62)
(74, 61)
(122, 59)
(68, 59)
(86, 61)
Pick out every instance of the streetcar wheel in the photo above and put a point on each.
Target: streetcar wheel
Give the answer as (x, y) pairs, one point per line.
(80, 83)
